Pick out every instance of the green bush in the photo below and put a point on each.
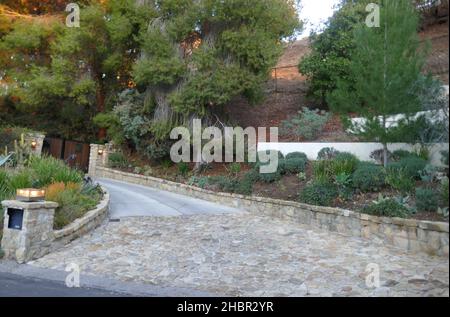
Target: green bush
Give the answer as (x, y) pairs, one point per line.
(224, 183)
(235, 168)
(401, 154)
(20, 179)
(294, 165)
(244, 186)
(183, 168)
(252, 175)
(327, 170)
(48, 170)
(343, 182)
(5, 190)
(307, 124)
(319, 194)
(268, 152)
(401, 180)
(427, 199)
(323, 171)
(369, 177)
(39, 173)
(200, 182)
(74, 200)
(154, 151)
(327, 153)
(271, 177)
(297, 155)
(345, 163)
(73, 204)
(387, 208)
(117, 160)
(411, 165)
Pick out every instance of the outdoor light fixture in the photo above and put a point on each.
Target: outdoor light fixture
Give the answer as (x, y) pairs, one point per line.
(100, 152)
(33, 144)
(30, 194)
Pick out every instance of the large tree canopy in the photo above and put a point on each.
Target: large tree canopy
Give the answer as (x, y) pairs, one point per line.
(70, 74)
(198, 54)
(39, 7)
(187, 57)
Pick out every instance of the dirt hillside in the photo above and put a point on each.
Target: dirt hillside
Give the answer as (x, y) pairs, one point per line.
(285, 93)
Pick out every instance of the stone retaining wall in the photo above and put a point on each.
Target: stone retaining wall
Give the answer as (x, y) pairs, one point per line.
(407, 234)
(36, 237)
(83, 225)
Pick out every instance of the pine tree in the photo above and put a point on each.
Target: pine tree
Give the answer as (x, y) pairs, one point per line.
(199, 54)
(386, 65)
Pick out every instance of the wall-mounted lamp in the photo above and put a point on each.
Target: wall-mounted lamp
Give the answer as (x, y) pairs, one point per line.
(33, 144)
(100, 152)
(30, 194)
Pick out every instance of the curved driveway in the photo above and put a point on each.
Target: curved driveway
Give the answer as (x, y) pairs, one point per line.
(238, 253)
(130, 200)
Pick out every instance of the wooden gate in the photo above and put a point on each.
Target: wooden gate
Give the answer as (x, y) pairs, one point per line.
(75, 154)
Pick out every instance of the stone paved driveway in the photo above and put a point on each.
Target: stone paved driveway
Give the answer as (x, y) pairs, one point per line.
(247, 255)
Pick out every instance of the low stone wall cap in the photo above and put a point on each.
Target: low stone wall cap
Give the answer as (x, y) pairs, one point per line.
(29, 205)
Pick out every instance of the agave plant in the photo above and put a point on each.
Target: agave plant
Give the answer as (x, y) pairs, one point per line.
(428, 174)
(443, 212)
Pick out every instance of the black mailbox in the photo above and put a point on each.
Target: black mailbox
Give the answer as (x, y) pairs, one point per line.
(15, 218)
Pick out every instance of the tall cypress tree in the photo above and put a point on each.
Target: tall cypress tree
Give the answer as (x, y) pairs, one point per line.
(386, 65)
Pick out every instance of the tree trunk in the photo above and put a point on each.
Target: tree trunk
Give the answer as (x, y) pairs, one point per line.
(385, 155)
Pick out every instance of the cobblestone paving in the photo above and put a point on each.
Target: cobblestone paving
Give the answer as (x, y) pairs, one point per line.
(248, 255)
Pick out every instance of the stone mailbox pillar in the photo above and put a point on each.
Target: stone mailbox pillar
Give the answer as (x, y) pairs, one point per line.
(28, 229)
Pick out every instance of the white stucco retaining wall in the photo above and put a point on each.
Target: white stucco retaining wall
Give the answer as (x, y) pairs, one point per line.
(361, 150)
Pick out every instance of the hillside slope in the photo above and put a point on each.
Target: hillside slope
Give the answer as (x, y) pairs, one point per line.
(285, 93)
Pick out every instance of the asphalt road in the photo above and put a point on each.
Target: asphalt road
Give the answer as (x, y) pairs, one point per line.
(25, 280)
(18, 286)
